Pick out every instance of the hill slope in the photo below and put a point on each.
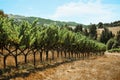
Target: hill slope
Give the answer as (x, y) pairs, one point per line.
(113, 29)
(42, 20)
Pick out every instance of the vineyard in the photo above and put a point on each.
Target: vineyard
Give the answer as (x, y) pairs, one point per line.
(44, 43)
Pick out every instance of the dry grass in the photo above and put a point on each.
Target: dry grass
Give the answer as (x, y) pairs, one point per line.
(11, 61)
(106, 67)
(113, 29)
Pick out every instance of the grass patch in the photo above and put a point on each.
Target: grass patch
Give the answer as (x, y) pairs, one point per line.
(114, 50)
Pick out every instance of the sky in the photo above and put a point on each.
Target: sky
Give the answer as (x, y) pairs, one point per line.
(80, 11)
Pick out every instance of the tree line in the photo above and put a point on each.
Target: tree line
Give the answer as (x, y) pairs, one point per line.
(106, 36)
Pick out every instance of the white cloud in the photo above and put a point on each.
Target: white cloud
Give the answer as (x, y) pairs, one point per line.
(85, 11)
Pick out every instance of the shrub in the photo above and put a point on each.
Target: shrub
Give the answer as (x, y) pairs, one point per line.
(114, 50)
(110, 44)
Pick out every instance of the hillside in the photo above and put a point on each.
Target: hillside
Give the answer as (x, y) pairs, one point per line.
(42, 21)
(113, 29)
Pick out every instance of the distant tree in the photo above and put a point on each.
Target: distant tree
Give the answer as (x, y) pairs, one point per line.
(67, 27)
(115, 23)
(114, 43)
(86, 33)
(93, 31)
(78, 28)
(3, 14)
(118, 36)
(100, 25)
(106, 35)
(106, 25)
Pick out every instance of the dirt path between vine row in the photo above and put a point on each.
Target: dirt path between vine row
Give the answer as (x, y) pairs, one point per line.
(105, 67)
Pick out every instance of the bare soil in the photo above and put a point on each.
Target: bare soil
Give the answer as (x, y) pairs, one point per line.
(105, 67)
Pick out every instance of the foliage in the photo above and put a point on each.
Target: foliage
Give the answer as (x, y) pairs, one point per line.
(106, 35)
(32, 38)
(112, 24)
(93, 31)
(117, 37)
(85, 32)
(78, 28)
(110, 44)
(3, 14)
(114, 50)
(114, 43)
(100, 25)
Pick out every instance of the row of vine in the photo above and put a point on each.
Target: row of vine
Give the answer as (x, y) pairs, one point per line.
(22, 38)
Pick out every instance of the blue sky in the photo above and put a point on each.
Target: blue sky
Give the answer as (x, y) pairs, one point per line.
(81, 11)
